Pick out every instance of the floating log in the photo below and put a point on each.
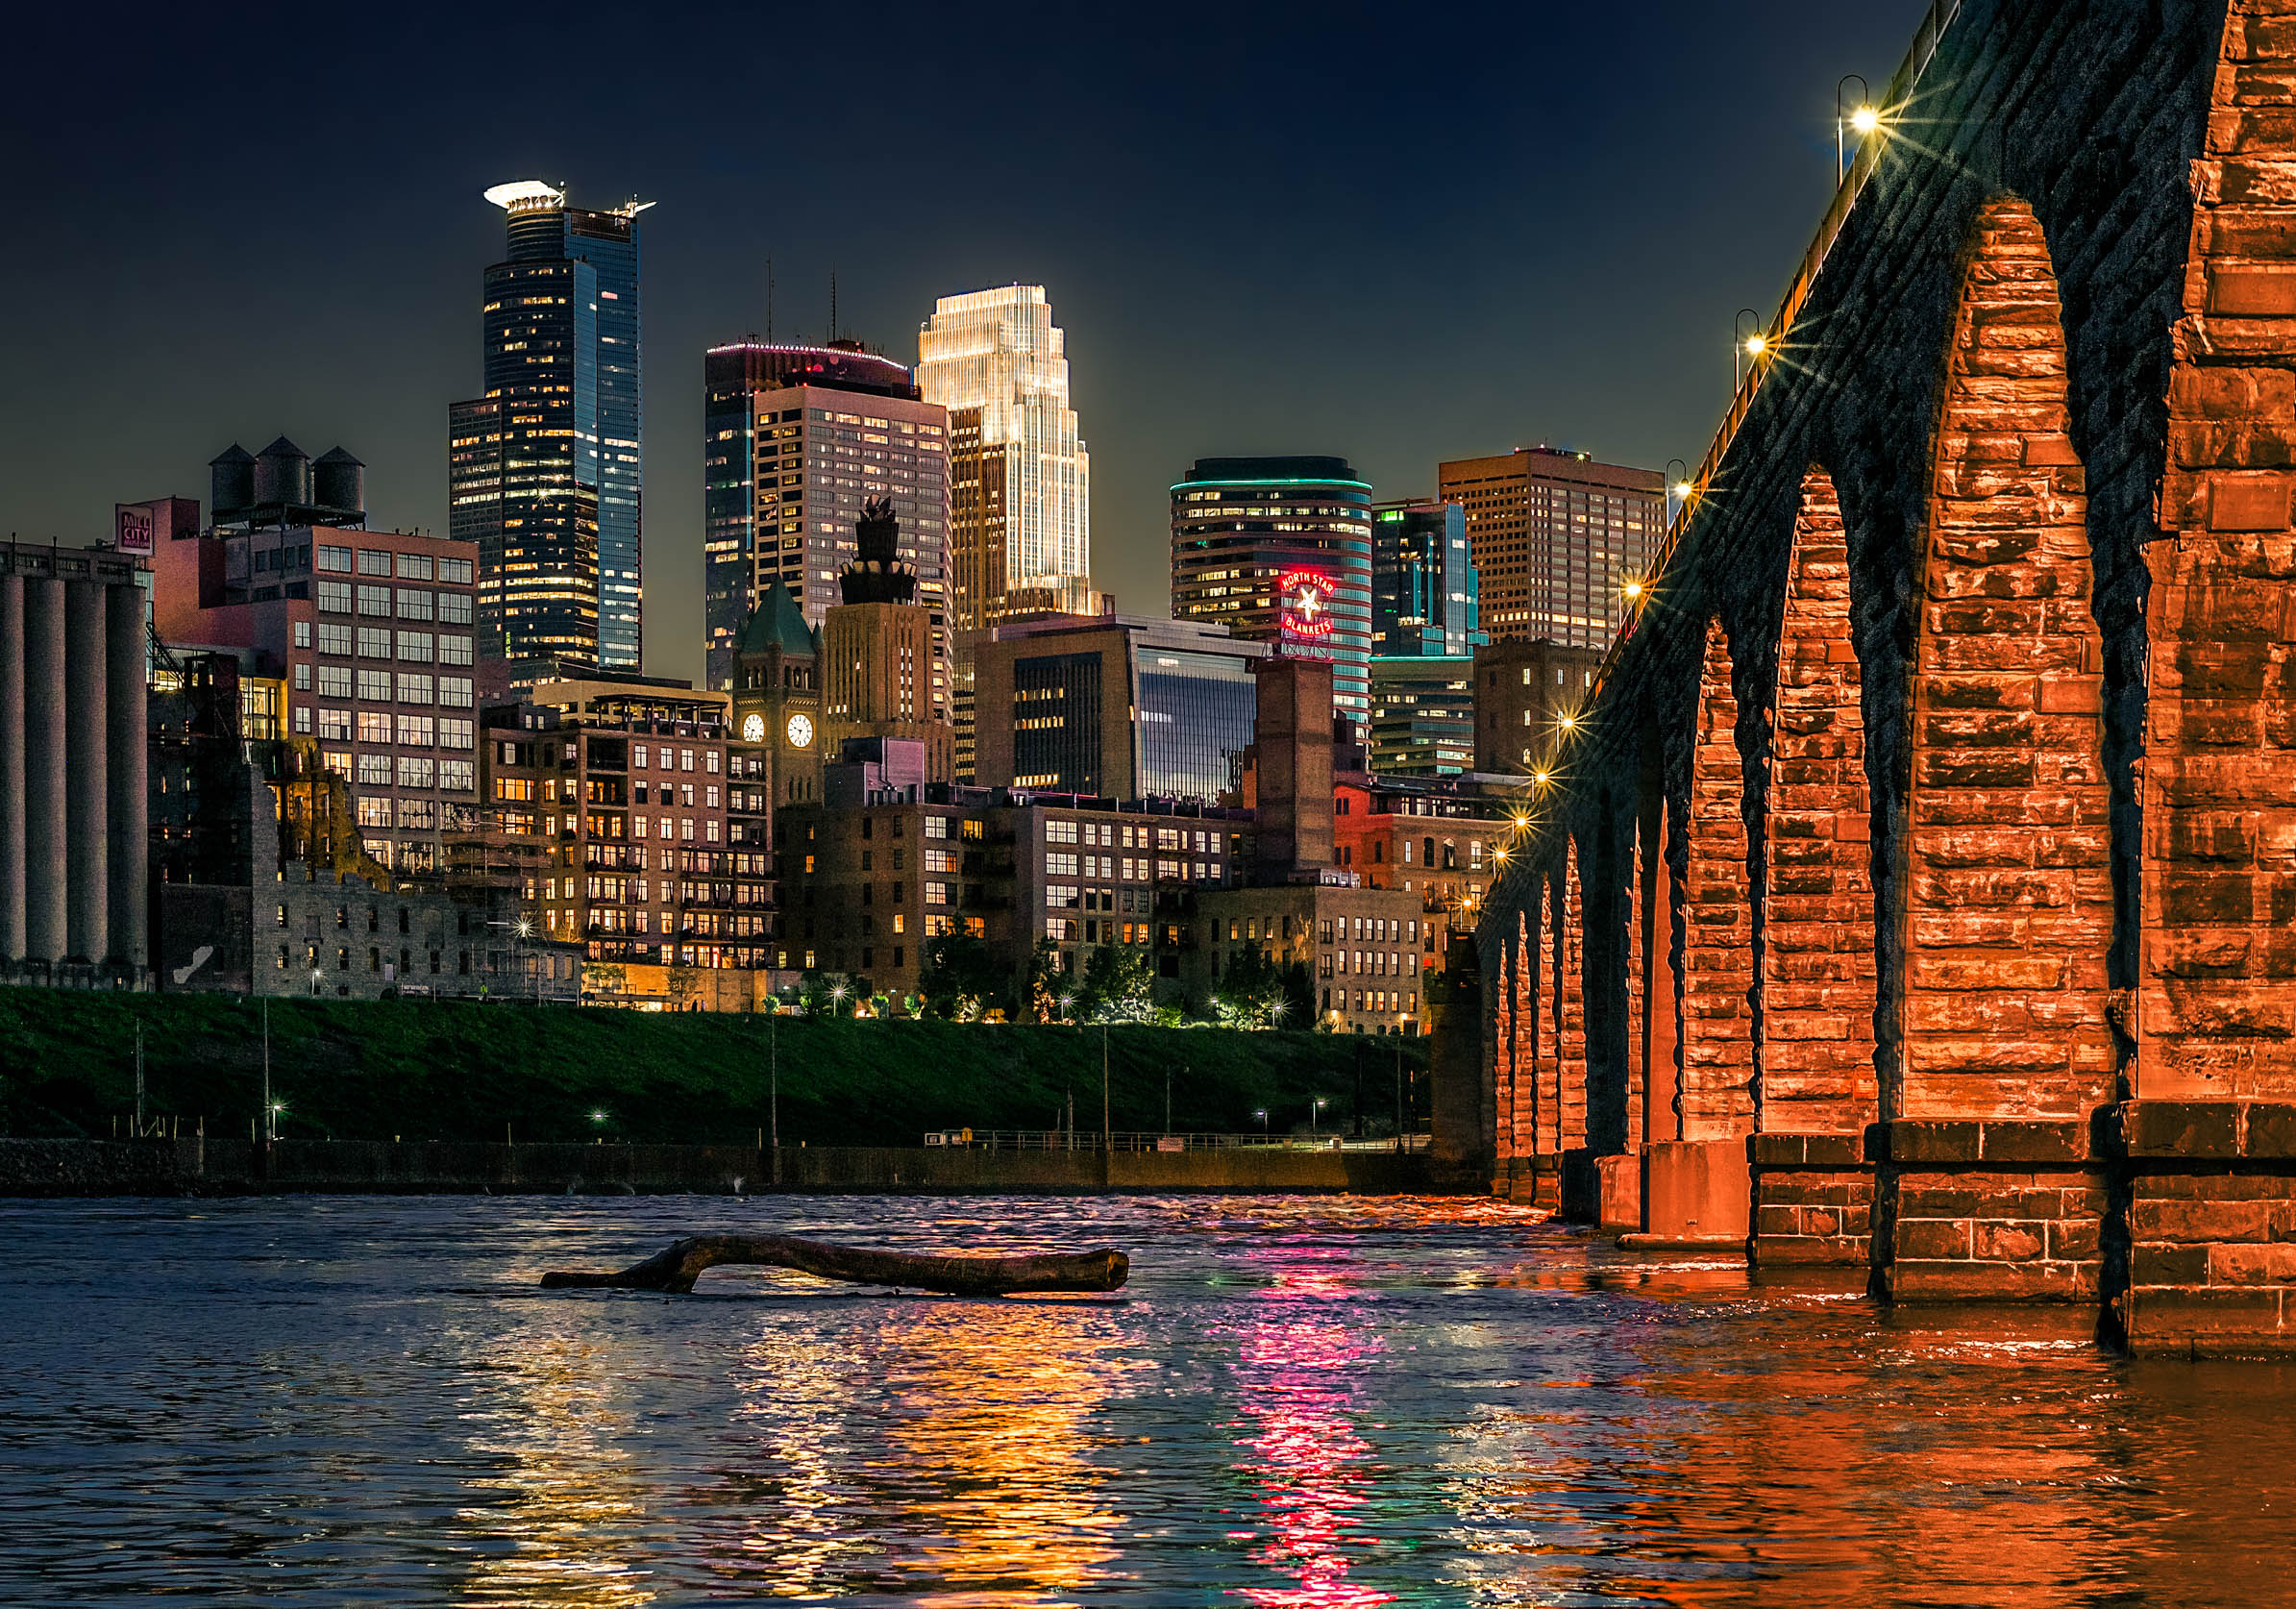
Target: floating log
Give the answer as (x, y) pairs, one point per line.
(675, 1268)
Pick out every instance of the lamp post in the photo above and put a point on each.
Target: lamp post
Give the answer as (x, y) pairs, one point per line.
(1744, 349)
(317, 977)
(1863, 119)
(1313, 1113)
(1262, 1114)
(1678, 488)
(1398, 1085)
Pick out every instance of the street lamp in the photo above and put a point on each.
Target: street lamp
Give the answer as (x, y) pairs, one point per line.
(317, 977)
(1315, 1112)
(1742, 345)
(271, 1119)
(1262, 1114)
(1864, 121)
(598, 1122)
(1678, 488)
(1064, 1006)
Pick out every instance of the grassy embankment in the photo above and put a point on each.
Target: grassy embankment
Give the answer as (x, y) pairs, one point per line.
(434, 1069)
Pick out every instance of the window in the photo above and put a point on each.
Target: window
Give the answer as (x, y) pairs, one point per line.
(1060, 865)
(454, 732)
(302, 634)
(415, 646)
(374, 642)
(335, 559)
(334, 597)
(334, 639)
(936, 826)
(709, 763)
(637, 757)
(373, 812)
(374, 600)
(415, 604)
(453, 649)
(414, 731)
(454, 691)
(936, 892)
(337, 761)
(303, 679)
(414, 566)
(414, 687)
(685, 761)
(455, 571)
(453, 608)
(417, 771)
(373, 562)
(374, 686)
(374, 727)
(457, 776)
(1060, 832)
(335, 724)
(303, 719)
(373, 770)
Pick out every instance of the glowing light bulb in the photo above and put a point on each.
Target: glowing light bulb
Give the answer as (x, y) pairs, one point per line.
(1568, 722)
(1757, 345)
(1683, 489)
(1866, 119)
(1542, 777)
(1632, 590)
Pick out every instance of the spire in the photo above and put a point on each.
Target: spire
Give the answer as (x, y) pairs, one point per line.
(877, 575)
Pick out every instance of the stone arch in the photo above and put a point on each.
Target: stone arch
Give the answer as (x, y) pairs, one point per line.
(2216, 979)
(1714, 1097)
(1817, 942)
(2006, 838)
(1569, 1080)
(1518, 1075)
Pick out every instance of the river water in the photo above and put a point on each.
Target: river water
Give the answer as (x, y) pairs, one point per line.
(1297, 1402)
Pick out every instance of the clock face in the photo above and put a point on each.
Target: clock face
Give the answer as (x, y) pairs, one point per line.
(753, 728)
(801, 731)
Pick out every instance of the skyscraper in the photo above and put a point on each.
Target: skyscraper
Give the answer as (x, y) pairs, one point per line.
(545, 469)
(1424, 590)
(797, 440)
(1021, 524)
(1554, 535)
(1279, 551)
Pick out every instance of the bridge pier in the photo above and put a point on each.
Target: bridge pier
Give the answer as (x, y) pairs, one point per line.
(1811, 1198)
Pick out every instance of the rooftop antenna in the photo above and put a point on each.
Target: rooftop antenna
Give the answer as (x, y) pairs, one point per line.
(768, 299)
(832, 306)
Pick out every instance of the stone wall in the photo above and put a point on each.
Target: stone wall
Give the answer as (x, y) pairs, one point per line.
(1967, 696)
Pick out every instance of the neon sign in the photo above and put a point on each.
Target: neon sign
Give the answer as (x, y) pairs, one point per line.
(1305, 596)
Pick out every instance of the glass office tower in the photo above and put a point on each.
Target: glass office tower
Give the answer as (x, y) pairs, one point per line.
(1020, 514)
(1279, 551)
(797, 438)
(1424, 589)
(546, 470)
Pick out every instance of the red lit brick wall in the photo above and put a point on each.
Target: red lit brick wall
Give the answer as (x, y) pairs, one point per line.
(1518, 1102)
(1570, 1012)
(1660, 984)
(1718, 961)
(1818, 978)
(1634, 952)
(2007, 887)
(2217, 1011)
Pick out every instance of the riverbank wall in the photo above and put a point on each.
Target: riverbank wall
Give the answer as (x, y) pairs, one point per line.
(211, 1167)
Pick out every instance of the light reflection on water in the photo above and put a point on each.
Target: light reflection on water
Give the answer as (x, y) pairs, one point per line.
(1299, 1403)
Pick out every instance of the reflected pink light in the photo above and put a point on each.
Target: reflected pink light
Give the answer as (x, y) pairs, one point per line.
(1297, 1384)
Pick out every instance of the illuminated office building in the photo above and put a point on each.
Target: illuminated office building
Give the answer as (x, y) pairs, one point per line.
(1020, 479)
(1279, 551)
(546, 468)
(796, 441)
(1553, 535)
(1114, 706)
(1424, 592)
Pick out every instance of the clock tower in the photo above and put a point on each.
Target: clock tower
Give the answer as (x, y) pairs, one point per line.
(776, 694)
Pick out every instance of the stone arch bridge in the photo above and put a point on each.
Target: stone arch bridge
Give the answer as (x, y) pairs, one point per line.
(1916, 891)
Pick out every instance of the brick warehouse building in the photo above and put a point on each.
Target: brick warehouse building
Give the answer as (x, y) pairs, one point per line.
(1914, 896)
(636, 822)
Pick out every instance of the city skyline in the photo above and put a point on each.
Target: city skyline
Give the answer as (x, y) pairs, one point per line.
(1184, 345)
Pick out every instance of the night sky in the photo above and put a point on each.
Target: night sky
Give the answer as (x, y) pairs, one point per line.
(1400, 234)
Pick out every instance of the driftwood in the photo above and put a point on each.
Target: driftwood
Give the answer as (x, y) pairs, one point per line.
(675, 1268)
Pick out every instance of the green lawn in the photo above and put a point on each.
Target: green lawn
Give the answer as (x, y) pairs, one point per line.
(438, 1070)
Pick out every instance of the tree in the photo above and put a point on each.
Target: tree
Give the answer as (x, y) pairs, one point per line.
(959, 979)
(1047, 982)
(1117, 987)
(1252, 994)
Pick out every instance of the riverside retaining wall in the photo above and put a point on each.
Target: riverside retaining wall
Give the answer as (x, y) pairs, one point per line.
(191, 1167)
